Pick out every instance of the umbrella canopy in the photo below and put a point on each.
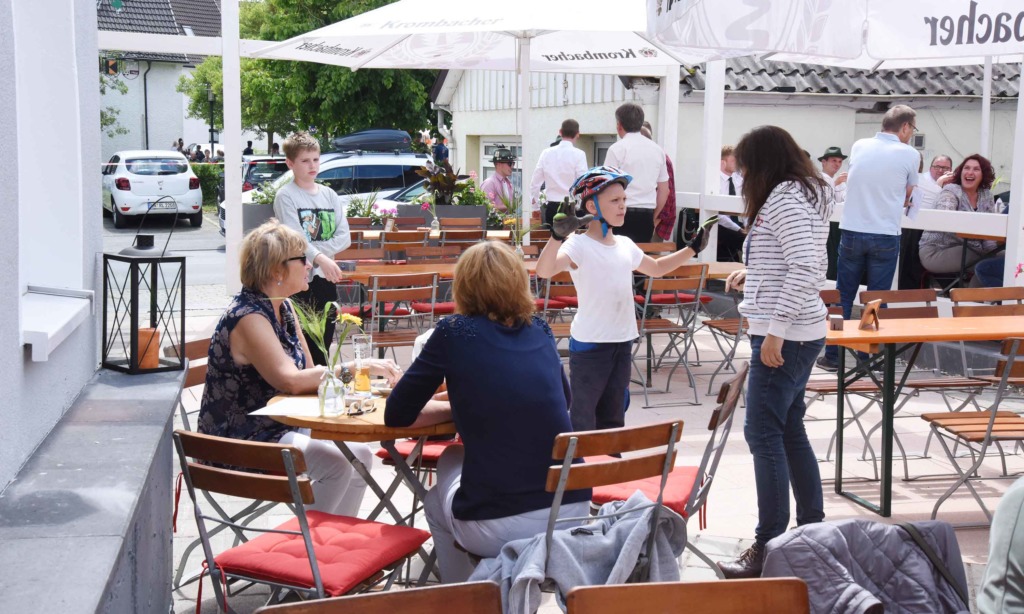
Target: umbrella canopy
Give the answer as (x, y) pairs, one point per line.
(565, 36)
(866, 34)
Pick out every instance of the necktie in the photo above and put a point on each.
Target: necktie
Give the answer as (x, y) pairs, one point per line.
(732, 187)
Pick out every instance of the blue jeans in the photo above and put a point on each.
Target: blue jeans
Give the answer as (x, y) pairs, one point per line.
(990, 272)
(774, 430)
(599, 381)
(863, 253)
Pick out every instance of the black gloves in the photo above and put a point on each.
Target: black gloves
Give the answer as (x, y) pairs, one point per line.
(700, 240)
(565, 221)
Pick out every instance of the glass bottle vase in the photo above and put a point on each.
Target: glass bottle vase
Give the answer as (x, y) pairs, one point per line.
(331, 394)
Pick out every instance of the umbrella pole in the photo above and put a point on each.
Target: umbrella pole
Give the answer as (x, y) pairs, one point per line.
(523, 129)
(986, 108)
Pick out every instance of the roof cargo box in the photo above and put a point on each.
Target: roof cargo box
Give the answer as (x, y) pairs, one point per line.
(374, 140)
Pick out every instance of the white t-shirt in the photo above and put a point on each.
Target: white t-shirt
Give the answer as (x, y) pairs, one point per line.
(604, 284)
(645, 161)
(926, 191)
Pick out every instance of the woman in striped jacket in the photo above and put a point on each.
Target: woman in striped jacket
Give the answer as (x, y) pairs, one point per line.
(785, 254)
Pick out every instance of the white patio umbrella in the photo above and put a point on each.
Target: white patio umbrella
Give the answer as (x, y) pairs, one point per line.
(585, 36)
(867, 34)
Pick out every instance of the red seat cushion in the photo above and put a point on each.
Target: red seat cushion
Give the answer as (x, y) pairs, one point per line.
(439, 308)
(552, 304)
(671, 299)
(348, 551)
(677, 489)
(570, 301)
(431, 450)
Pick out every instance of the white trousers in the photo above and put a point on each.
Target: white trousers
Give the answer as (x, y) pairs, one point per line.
(337, 486)
(481, 537)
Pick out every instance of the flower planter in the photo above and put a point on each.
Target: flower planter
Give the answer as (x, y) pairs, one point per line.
(443, 211)
(253, 215)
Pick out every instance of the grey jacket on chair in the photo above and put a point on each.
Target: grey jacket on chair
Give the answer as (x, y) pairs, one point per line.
(602, 552)
(862, 566)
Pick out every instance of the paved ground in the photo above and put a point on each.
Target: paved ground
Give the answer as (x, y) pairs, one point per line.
(732, 503)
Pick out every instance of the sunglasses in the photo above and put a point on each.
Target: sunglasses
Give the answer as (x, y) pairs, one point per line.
(358, 407)
(302, 258)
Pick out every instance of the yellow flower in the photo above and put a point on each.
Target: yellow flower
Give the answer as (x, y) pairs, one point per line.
(509, 221)
(348, 318)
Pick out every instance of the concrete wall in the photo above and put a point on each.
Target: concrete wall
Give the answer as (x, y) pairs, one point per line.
(46, 123)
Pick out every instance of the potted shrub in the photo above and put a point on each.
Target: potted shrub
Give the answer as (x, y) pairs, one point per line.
(447, 196)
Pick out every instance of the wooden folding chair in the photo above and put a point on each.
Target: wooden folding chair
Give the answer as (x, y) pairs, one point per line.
(421, 255)
(315, 554)
(461, 238)
(396, 242)
(460, 223)
(468, 598)
(687, 488)
(397, 300)
(410, 223)
(978, 431)
(760, 596)
(678, 291)
(195, 354)
(560, 301)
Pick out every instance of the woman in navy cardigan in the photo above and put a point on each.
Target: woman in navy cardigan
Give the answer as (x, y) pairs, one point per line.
(509, 399)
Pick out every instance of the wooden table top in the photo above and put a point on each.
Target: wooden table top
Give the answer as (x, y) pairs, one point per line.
(976, 237)
(919, 330)
(363, 272)
(364, 428)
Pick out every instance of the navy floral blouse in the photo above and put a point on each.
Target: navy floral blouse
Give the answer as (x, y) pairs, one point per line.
(233, 390)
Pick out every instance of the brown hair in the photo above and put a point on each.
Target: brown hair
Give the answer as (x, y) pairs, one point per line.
(988, 174)
(768, 156)
(297, 143)
(265, 250)
(490, 280)
(631, 116)
(570, 128)
(895, 117)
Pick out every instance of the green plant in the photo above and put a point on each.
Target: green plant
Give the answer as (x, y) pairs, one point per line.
(512, 216)
(367, 206)
(209, 180)
(442, 181)
(314, 324)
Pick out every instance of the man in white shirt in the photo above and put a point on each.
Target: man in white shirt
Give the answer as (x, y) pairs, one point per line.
(644, 160)
(730, 232)
(927, 189)
(557, 169)
(831, 161)
(883, 173)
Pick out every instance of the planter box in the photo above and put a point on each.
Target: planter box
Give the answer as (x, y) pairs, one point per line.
(461, 211)
(253, 215)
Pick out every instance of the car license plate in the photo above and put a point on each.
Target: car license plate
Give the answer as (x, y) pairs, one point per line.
(159, 205)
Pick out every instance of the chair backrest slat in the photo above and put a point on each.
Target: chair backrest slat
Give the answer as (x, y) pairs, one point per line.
(471, 598)
(249, 485)
(1017, 368)
(256, 455)
(356, 253)
(403, 280)
(975, 311)
(757, 596)
(892, 299)
(611, 441)
(663, 247)
(460, 222)
(987, 295)
(605, 472)
(832, 301)
(448, 253)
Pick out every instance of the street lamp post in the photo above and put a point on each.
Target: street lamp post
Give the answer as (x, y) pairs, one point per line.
(209, 97)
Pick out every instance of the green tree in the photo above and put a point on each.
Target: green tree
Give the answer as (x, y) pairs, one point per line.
(282, 96)
(109, 121)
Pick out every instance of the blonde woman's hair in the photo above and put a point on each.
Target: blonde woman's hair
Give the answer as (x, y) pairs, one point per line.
(490, 280)
(265, 250)
(297, 143)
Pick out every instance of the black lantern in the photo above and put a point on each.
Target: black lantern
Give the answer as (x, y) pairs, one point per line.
(143, 308)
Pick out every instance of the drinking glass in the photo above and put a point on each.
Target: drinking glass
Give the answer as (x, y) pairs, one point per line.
(362, 350)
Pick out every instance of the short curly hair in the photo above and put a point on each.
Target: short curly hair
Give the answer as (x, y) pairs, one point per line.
(490, 280)
(299, 142)
(264, 251)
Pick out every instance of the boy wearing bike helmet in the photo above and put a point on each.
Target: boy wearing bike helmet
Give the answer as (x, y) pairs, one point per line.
(601, 265)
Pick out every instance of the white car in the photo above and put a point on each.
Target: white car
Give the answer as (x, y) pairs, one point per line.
(157, 182)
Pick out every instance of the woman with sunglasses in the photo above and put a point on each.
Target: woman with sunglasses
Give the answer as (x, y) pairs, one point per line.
(257, 352)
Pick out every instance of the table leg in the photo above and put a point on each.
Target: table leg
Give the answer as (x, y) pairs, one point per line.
(840, 419)
(888, 405)
(372, 484)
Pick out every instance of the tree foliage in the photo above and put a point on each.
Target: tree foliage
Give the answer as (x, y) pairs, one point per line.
(109, 121)
(283, 96)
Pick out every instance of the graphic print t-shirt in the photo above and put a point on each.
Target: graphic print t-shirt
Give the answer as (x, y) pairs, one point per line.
(319, 217)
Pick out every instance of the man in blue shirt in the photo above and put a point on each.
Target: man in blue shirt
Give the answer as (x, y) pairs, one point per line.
(882, 176)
